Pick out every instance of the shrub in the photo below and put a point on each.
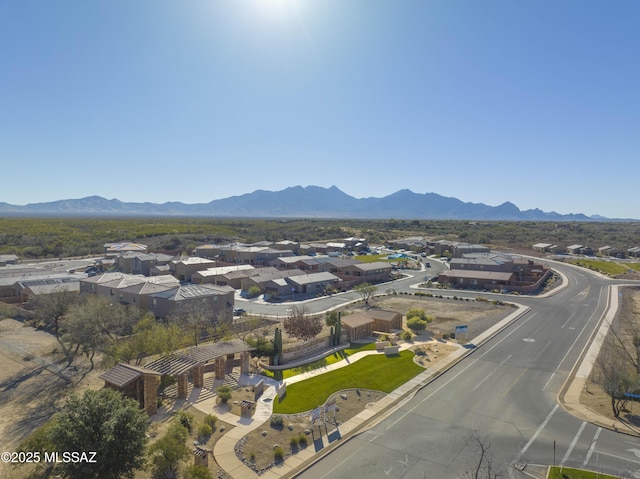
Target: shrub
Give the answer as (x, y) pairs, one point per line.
(294, 441)
(416, 324)
(186, 420)
(302, 440)
(406, 336)
(278, 453)
(253, 291)
(204, 432)
(277, 422)
(224, 393)
(210, 420)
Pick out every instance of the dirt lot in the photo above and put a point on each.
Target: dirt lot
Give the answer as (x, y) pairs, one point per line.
(594, 396)
(31, 384)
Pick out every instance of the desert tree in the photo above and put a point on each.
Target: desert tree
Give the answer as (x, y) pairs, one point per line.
(149, 337)
(626, 339)
(106, 423)
(301, 325)
(92, 324)
(366, 291)
(167, 453)
(615, 375)
(195, 316)
(50, 310)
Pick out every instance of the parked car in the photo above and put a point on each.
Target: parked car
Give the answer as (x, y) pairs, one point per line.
(238, 311)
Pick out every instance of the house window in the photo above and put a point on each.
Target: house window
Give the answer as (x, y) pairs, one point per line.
(111, 292)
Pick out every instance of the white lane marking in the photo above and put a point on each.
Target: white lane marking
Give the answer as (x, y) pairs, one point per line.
(566, 354)
(570, 317)
(473, 361)
(544, 423)
(592, 447)
(489, 375)
(618, 457)
(573, 444)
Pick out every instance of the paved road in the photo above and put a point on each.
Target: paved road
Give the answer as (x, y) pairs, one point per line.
(505, 392)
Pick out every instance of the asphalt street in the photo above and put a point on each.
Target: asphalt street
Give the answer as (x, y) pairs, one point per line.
(504, 393)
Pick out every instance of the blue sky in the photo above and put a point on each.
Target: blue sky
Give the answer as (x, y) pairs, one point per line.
(533, 102)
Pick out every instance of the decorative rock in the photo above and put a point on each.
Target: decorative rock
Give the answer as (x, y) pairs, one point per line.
(263, 433)
(290, 426)
(276, 445)
(222, 428)
(307, 432)
(343, 396)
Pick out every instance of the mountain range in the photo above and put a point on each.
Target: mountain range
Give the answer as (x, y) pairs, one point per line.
(300, 202)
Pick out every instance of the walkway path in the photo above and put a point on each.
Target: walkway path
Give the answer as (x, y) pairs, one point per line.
(224, 450)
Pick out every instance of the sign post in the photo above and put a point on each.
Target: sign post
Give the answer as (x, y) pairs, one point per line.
(461, 330)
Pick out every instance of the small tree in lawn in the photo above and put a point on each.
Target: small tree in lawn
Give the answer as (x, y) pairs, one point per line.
(301, 325)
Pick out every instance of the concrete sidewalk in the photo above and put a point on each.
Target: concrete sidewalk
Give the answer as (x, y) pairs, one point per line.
(224, 449)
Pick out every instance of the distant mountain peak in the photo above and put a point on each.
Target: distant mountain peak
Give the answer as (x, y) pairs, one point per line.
(301, 202)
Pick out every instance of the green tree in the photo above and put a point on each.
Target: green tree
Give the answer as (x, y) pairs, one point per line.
(93, 324)
(50, 309)
(331, 318)
(365, 290)
(106, 423)
(197, 472)
(167, 453)
(416, 324)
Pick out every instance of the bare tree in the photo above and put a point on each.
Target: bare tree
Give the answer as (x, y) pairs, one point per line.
(627, 341)
(483, 464)
(615, 374)
(301, 325)
(196, 317)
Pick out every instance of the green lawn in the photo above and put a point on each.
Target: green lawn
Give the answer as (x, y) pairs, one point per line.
(345, 353)
(371, 258)
(378, 372)
(568, 473)
(606, 267)
(633, 266)
(334, 358)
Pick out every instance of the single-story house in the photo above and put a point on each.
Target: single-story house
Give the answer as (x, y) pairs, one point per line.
(6, 259)
(459, 278)
(114, 249)
(220, 275)
(312, 283)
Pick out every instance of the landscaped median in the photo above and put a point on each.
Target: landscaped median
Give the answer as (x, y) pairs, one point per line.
(569, 473)
(375, 372)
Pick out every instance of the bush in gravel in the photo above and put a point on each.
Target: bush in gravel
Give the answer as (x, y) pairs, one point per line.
(302, 440)
(416, 324)
(204, 432)
(278, 454)
(277, 422)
